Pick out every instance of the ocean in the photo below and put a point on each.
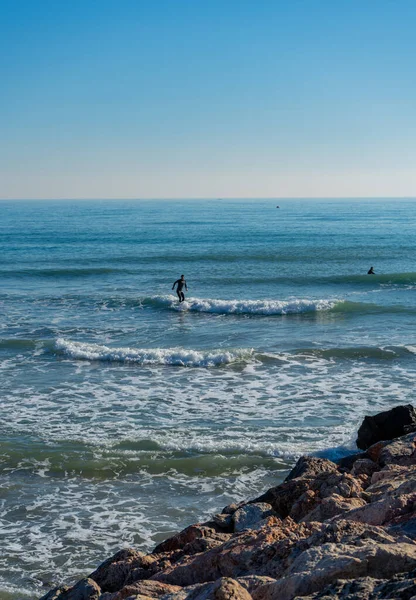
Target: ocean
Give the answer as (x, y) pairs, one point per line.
(126, 416)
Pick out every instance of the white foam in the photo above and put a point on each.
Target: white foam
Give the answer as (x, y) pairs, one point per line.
(154, 356)
(252, 307)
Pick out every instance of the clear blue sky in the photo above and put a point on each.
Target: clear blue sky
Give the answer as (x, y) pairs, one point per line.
(207, 98)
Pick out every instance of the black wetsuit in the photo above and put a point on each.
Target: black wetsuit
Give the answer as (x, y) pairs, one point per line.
(181, 283)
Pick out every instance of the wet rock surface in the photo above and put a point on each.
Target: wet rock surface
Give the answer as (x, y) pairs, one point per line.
(345, 530)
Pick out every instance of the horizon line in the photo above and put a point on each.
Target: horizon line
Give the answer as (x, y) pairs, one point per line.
(190, 198)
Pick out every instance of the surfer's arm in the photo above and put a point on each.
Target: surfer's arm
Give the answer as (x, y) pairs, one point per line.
(173, 287)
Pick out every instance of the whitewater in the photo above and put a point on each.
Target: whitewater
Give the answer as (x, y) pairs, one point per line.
(125, 415)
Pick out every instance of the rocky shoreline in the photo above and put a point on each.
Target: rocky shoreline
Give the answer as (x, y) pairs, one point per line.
(330, 530)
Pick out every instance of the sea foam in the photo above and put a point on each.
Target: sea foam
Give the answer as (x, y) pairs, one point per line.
(152, 356)
(249, 307)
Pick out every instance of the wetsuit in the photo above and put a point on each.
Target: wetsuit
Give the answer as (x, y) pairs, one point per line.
(180, 283)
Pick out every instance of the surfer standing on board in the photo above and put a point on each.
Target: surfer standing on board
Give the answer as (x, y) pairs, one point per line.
(180, 283)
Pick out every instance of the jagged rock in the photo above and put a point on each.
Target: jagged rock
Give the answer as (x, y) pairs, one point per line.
(250, 553)
(249, 516)
(86, 589)
(364, 466)
(316, 567)
(188, 535)
(225, 589)
(401, 451)
(114, 573)
(283, 496)
(331, 507)
(231, 508)
(55, 593)
(146, 587)
(322, 487)
(391, 497)
(386, 425)
(367, 588)
(225, 521)
(253, 582)
(297, 497)
(309, 466)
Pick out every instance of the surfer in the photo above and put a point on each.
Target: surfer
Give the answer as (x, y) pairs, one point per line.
(180, 283)
(371, 271)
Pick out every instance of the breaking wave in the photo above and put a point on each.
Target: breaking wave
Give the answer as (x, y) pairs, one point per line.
(153, 356)
(244, 307)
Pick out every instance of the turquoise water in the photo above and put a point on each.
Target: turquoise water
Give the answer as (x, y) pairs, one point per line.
(125, 416)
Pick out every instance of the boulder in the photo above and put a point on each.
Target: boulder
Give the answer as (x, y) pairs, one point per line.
(331, 507)
(55, 593)
(86, 589)
(146, 587)
(190, 534)
(250, 515)
(401, 451)
(367, 588)
(299, 496)
(386, 425)
(115, 572)
(310, 466)
(319, 566)
(226, 589)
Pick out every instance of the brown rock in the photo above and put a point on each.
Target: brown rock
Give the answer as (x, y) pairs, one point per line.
(251, 552)
(55, 593)
(188, 535)
(86, 589)
(249, 515)
(146, 587)
(401, 451)
(316, 567)
(324, 486)
(331, 507)
(364, 466)
(115, 572)
(227, 589)
(253, 582)
(310, 466)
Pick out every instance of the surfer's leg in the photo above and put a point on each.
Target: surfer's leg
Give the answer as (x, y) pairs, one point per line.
(179, 295)
(182, 297)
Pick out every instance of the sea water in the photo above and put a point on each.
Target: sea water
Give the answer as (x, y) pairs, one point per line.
(126, 416)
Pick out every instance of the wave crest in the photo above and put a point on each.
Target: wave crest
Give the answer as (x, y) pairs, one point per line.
(152, 356)
(245, 307)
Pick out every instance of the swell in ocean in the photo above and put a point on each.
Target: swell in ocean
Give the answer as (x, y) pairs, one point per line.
(214, 358)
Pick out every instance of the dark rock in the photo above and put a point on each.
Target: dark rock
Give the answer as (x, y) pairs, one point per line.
(401, 586)
(55, 593)
(309, 466)
(347, 462)
(113, 573)
(190, 534)
(283, 496)
(251, 515)
(386, 425)
(227, 588)
(86, 589)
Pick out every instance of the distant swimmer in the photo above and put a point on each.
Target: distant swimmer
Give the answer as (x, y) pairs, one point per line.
(180, 283)
(371, 271)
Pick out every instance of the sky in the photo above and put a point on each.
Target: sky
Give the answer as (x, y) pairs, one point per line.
(207, 98)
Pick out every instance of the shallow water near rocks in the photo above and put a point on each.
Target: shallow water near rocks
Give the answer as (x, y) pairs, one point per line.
(125, 416)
